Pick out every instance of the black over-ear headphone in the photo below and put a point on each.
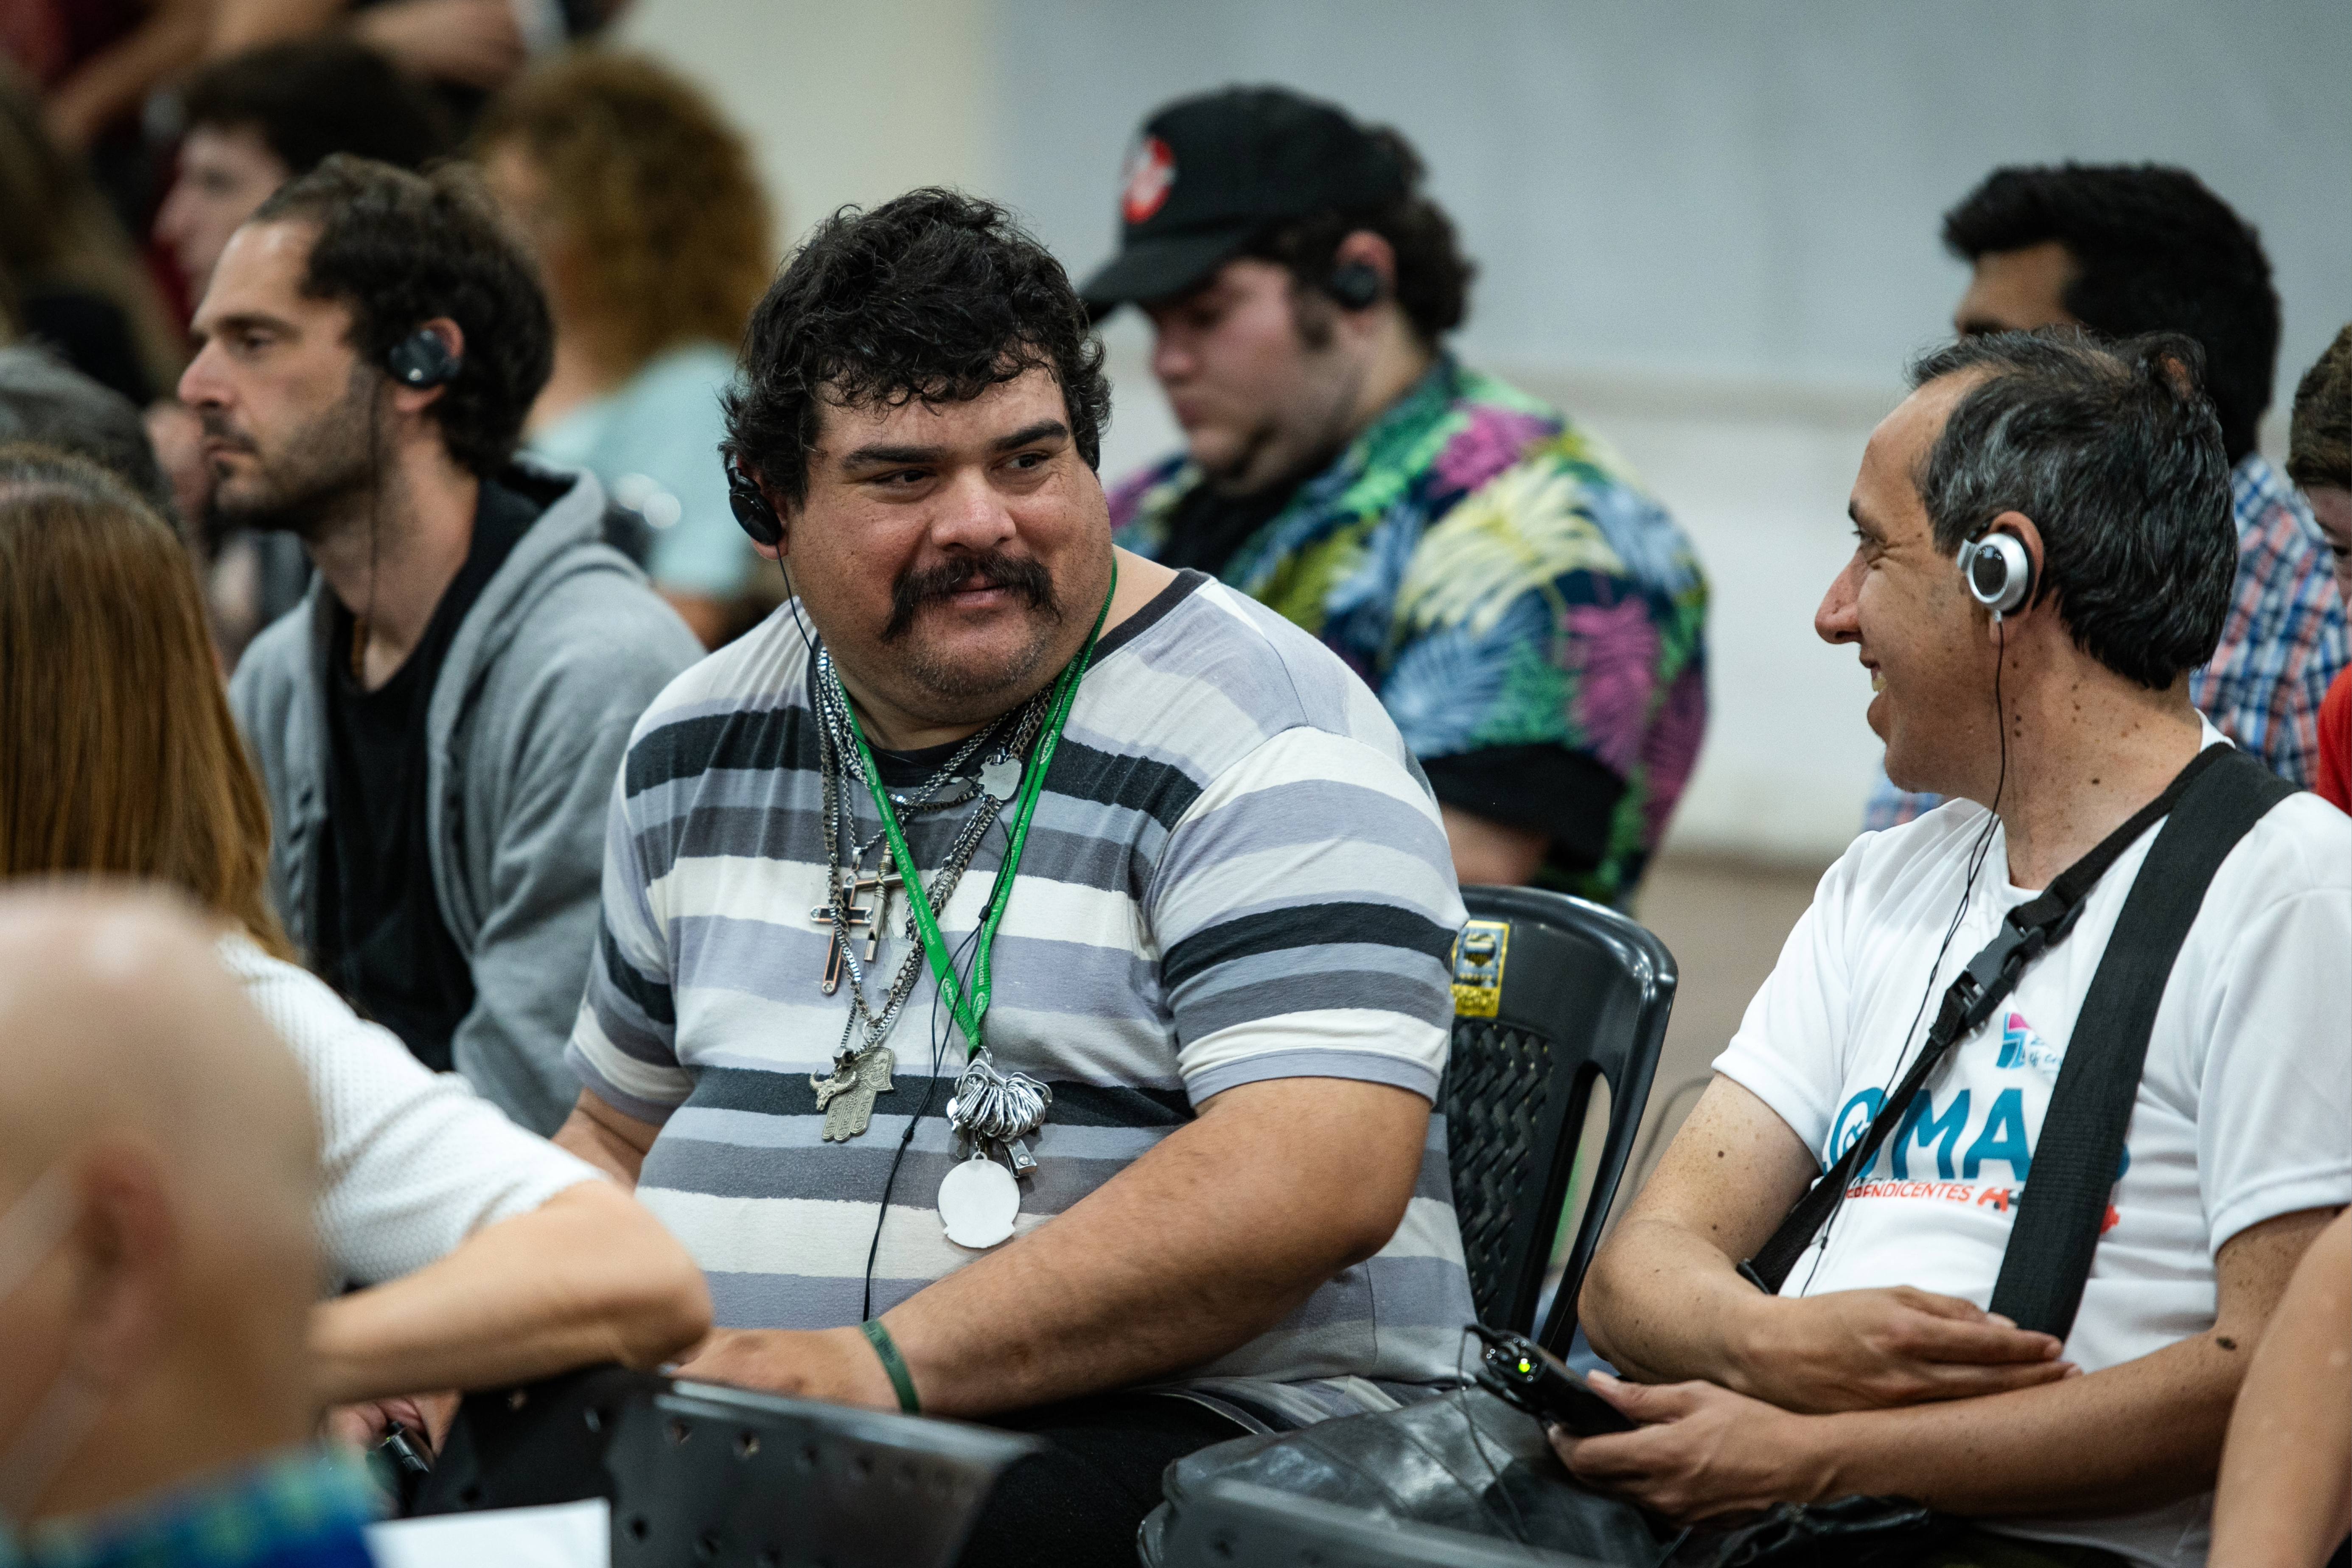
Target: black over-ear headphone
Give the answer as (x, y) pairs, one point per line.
(1355, 286)
(1998, 571)
(750, 507)
(421, 359)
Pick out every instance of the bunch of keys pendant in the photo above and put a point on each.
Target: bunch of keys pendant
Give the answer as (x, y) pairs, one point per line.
(999, 1112)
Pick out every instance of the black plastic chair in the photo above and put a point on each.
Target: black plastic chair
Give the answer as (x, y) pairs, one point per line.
(703, 1474)
(697, 1474)
(1233, 1524)
(1578, 993)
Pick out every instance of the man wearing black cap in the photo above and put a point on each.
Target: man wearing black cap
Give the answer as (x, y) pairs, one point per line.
(1533, 622)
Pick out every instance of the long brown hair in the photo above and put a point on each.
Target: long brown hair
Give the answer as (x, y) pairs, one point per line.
(117, 752)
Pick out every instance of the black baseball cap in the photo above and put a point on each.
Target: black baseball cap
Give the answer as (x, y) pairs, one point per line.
(1210, 175)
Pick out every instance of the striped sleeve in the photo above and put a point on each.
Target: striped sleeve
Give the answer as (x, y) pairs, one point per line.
(1305, 912)
(624, 1044)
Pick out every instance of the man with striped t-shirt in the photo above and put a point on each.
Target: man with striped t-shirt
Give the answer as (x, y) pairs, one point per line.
(1024, 976)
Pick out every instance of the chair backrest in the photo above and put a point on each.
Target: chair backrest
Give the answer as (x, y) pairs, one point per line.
(700, 1474)
(723, 1476)
(1550, 994)
(1233, 1524)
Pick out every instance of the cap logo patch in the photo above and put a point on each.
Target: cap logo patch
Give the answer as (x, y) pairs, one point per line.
(1151, 175)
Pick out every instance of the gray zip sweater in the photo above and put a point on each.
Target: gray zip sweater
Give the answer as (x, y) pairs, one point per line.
(527, 725)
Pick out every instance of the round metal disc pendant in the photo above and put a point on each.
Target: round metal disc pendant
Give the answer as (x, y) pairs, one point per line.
(978, 1201)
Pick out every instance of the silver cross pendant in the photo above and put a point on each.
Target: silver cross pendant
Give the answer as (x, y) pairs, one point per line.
(852, 917)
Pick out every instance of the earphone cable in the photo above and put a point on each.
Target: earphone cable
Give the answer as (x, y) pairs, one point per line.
(1977, 853)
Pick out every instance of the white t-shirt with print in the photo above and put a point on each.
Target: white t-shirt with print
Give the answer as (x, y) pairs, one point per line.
(2246, 1103)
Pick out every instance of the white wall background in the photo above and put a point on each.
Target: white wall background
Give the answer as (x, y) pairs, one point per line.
(1709, 229)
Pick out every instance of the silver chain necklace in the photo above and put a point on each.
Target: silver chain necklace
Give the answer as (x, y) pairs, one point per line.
(863, 1070)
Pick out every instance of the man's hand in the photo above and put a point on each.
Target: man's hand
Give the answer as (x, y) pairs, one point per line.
(362, 1426)
(1701, 1453)
(1869, 1349)
(1664, 1304)
(836, 1366)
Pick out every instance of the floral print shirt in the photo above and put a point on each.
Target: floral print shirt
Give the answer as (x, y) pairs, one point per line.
(1501, 580)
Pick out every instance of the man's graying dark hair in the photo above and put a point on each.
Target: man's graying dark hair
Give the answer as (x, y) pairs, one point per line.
(934, 297)
(2115, 453)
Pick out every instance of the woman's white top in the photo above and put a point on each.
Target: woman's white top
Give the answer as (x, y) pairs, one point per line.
(412, 1162)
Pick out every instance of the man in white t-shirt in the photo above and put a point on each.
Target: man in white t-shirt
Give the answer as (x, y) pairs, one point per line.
(1876, 1369)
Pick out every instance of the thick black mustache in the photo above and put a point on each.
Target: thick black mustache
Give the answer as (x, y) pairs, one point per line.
(910, 592)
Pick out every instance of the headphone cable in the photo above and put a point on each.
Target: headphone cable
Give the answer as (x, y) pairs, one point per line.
(1977, 853)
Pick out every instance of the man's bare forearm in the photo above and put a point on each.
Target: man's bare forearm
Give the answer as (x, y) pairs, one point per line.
(2285, 1491)
(2132, 1437)
(2135, 1435)
(1204, 1243)
(587, 1276)
(613, 1142)
(1663, 1305)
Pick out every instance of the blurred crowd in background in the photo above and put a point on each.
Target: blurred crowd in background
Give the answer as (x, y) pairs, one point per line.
(1535, 624)
(134, 139)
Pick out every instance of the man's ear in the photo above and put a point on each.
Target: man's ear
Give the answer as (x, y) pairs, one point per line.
(415, 399)
(784, 519)
(127, 1258)
(2037, 596)
(1364, 276)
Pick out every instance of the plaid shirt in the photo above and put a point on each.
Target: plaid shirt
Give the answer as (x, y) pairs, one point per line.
(2283, 642)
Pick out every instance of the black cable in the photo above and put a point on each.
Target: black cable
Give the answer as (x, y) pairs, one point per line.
(1977, 852)
(930, 1087)
(1478, 1445)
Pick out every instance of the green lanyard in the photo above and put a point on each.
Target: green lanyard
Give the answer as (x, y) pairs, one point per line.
(968, 1012)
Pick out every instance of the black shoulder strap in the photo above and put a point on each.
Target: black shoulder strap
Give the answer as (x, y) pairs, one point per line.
(2026, 931)
(2063, 1206)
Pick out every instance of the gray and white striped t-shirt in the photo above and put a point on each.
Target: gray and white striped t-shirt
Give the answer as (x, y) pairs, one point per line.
(1235, 873)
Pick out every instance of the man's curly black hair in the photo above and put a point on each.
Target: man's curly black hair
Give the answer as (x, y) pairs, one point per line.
(399, 249)
(936, 296)
(2156, 252)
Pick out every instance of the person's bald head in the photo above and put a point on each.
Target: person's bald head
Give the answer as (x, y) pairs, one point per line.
(158, 1166)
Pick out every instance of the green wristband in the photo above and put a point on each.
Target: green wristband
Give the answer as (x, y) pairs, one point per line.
(892, 1363)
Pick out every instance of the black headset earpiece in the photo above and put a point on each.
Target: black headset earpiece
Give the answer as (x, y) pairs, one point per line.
(421, 359)
(1998, 571)
(750, 507)
(1355, 286)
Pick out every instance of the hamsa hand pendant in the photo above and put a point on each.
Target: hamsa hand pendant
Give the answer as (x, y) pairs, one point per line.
(847, 1096)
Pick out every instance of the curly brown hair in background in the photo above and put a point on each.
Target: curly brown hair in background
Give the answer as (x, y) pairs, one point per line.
(651, 220)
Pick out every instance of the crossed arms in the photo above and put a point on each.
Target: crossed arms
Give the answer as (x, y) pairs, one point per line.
(1226, 1226)
(1892, 1392)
